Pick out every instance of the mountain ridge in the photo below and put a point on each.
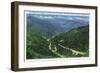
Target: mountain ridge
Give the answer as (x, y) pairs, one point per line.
(52, 26)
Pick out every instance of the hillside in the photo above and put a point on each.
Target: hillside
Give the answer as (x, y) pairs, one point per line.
(72, 43)
(76, 39)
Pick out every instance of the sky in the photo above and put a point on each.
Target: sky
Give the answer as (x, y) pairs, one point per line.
(60, 16)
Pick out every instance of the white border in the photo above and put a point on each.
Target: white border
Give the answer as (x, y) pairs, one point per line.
(56, 62)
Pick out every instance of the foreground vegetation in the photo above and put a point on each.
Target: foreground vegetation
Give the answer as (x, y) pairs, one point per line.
(73, 43)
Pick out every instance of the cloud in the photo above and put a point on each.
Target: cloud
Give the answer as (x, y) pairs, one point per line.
(43, 17)
(65, 17)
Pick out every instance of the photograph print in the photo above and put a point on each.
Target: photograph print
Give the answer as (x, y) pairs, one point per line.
(52, 36)
(56, 35)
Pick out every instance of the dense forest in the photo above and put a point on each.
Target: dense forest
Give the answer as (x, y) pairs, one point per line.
(73, 43)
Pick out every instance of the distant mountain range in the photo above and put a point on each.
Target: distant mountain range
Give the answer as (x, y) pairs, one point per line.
(52, 25)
